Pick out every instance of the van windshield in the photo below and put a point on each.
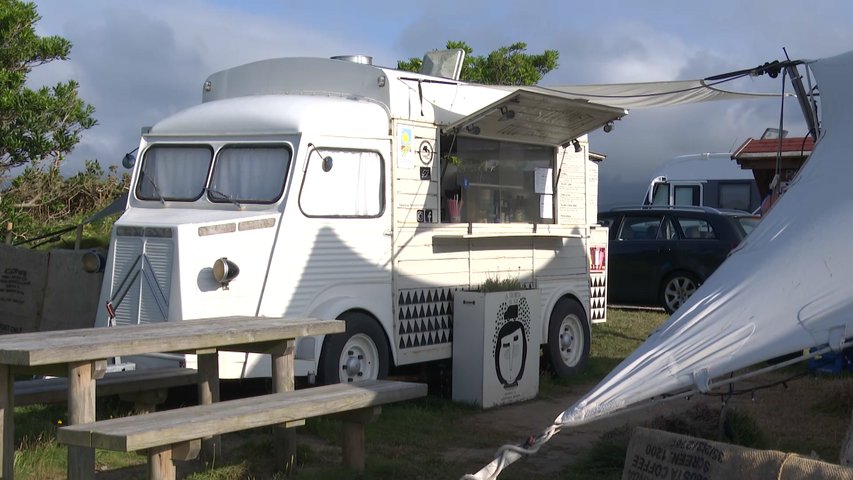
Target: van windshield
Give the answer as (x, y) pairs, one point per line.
(172, 172)
(241, 173)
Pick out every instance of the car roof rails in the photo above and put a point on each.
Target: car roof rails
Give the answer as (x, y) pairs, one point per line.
(694, 208)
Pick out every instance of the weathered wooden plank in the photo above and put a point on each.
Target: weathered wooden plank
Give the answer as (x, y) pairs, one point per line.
(208, 393)
(41, 348)
(283, 381)
(160, 465)
(7, 422)
(81, 409)
(174, 426)
(55, 390)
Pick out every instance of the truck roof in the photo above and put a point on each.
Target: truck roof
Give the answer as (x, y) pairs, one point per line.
(522, 114)
(278, 114)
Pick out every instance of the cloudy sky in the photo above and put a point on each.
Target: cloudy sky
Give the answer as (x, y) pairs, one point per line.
(138, 62)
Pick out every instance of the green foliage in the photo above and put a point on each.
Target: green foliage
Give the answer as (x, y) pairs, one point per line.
(500, 285)
(40, 201)
(42, 124)
(508, 65)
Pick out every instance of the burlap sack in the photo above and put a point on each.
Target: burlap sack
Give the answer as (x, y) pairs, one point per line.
(653, 455)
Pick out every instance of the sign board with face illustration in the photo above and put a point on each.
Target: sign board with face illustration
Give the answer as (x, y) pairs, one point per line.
(495, 351)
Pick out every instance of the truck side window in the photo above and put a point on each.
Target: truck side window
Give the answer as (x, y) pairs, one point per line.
(343, 183)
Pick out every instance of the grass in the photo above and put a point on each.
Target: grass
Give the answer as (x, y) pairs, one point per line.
(419, 439)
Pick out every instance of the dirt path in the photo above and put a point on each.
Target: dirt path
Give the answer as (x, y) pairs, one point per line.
(793, 418)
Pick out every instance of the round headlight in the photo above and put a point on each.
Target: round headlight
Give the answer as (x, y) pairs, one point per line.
(93, 262)
(224, 271)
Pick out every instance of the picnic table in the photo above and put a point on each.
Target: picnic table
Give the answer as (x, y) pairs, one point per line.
(81, 354)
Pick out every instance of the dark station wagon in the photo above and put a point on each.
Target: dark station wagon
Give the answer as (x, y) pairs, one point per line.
(660, 255)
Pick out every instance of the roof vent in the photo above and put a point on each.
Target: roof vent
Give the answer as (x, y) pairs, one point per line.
(443, 63)
(363, 59)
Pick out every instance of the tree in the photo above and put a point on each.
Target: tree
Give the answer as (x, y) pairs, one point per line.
(42, 124)
(508, 65)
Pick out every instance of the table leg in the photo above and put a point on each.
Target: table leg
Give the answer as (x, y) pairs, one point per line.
(282, 381)
(208, 392)
(81, 409)
(7, 421)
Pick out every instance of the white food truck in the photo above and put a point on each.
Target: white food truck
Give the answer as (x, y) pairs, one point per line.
(333, 188)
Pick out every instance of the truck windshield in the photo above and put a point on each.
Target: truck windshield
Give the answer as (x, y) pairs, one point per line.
(249, 174)
(241, 173)
(172, 172)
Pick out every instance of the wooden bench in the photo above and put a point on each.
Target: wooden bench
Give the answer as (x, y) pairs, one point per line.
(146, 388)
(175, 434)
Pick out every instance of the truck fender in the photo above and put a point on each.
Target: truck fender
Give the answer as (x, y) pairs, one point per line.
(555, 297)
(309, 348)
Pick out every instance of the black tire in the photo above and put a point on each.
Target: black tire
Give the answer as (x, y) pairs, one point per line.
(568, 338)
(676, 289)
(361, 353)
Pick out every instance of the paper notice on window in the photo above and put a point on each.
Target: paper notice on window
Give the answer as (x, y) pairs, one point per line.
(546, 207)
(543, 181)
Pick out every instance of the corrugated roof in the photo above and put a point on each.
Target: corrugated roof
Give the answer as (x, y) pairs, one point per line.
(762, 147)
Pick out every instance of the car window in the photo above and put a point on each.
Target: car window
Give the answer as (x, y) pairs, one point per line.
(605, 221)
(640, 227)
(748, 223)
(667, 231)
(696, 228)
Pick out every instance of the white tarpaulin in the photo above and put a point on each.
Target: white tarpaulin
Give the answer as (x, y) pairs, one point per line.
(786, 288)
(654, 94)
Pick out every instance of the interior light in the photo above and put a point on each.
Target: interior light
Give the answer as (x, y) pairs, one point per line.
(224, 271)
(577, 145)
(608, 127)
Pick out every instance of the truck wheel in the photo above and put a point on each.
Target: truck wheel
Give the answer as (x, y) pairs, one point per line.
(361, 353)
(568, 338)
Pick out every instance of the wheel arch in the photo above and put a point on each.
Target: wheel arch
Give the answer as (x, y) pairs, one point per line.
(551, 304)
(335, 308)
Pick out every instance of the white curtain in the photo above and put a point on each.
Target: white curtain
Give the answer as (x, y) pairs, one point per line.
(251, 174)
(350, 186)
(174, 172)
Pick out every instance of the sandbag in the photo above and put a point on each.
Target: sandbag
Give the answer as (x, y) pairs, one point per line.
(654, 454)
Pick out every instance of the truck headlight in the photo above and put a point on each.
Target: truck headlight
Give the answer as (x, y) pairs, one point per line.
(224, 271)
(93, 262)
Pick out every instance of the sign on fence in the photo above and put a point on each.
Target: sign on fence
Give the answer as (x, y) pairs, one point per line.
(41, 290)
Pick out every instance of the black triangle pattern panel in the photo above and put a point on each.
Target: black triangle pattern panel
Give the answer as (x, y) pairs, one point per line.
(598, 297)
(425, 317)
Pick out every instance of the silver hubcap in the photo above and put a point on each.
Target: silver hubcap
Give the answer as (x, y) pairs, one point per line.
(678, 290)
(571, 340)
(359, 359)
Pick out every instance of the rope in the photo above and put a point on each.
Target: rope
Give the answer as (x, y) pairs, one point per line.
(508, 454)
(788, 456)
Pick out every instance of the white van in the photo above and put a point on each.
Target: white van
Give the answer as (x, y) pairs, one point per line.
(328, 188)
(706, 179)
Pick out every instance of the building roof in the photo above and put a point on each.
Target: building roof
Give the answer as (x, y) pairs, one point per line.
(768, 147)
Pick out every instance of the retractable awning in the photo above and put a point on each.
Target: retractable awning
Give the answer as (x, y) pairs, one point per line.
(529, 116)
